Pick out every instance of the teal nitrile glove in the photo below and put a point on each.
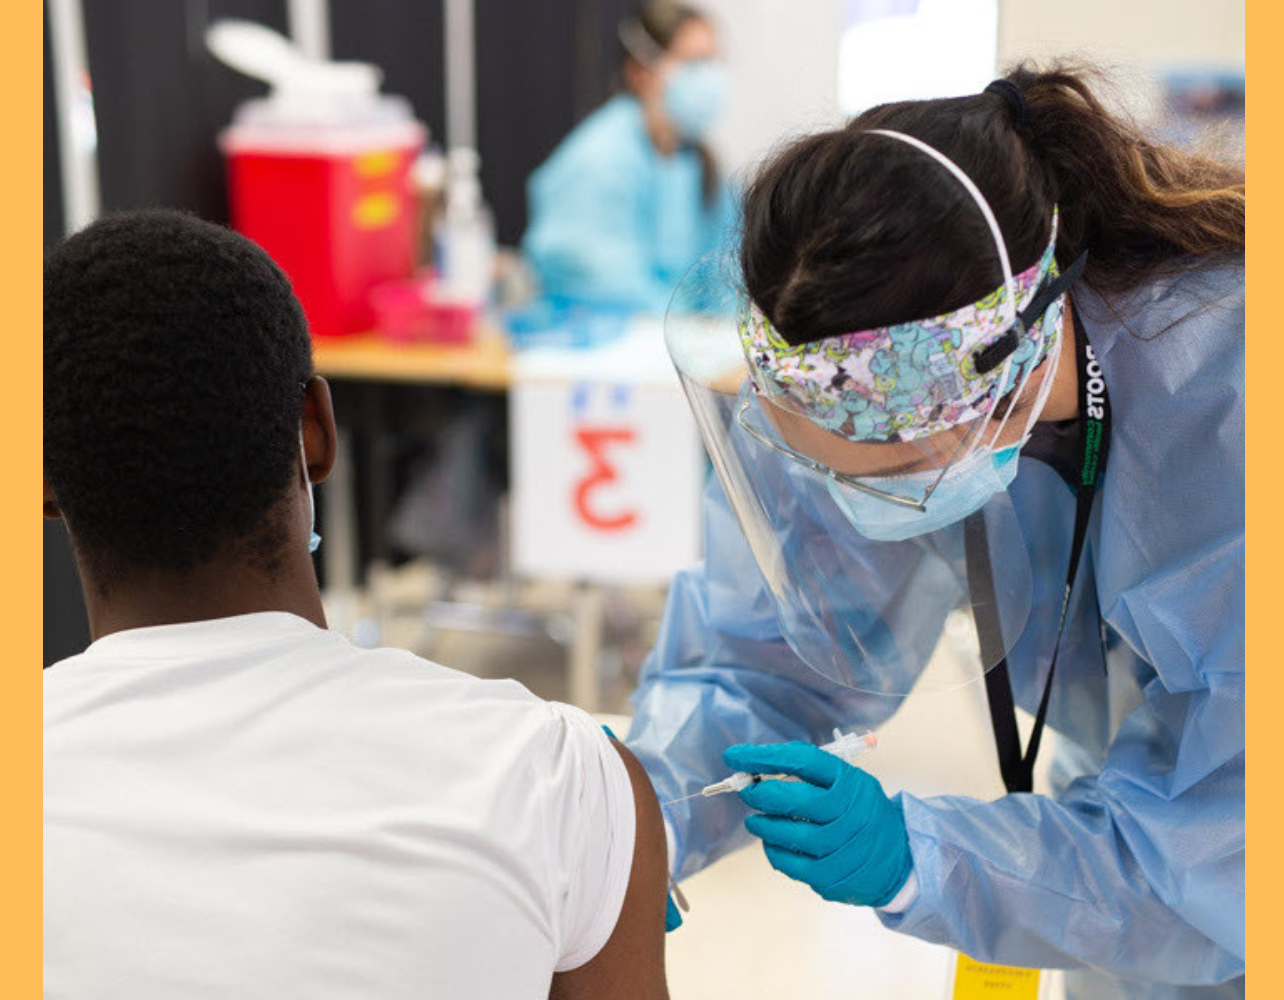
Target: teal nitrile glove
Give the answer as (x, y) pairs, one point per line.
(672, 915)
(836, 830)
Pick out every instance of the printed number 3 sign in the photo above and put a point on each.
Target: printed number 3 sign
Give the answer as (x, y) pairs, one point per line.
(606, 481)
(596, 441)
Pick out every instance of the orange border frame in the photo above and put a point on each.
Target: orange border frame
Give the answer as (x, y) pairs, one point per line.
(21, 52)
(1265, 881)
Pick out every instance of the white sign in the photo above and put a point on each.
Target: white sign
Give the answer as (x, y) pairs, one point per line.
(606, 480)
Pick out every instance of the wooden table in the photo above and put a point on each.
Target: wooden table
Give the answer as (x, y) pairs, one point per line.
(484, 364)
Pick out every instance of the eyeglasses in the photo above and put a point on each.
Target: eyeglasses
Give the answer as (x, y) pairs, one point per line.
(841, 477)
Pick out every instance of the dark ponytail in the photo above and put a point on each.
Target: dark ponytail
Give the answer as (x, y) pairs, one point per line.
(1135, 204)
(844, 230)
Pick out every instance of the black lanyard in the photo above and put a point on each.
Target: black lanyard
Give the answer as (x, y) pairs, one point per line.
(1094, 448)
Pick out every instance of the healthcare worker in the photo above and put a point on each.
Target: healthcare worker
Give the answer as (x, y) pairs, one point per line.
(632, 196)
(984, 398)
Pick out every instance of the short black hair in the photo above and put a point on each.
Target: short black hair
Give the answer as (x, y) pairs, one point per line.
(176, 357)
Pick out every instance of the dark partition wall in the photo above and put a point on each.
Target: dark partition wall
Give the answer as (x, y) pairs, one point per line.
(405, 39)
(52, 174)
(160, 99)
(541, 67)
(66, 630)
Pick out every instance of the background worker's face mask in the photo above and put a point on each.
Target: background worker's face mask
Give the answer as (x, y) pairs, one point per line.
(693, 97)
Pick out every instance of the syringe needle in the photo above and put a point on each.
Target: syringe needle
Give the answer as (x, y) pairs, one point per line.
(844, 747)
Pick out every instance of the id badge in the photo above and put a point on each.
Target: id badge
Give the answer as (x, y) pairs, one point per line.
(973, 980)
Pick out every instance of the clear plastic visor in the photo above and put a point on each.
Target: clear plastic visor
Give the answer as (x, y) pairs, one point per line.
(932, 611)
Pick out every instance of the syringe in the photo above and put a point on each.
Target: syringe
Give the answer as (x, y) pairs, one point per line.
(846, 747)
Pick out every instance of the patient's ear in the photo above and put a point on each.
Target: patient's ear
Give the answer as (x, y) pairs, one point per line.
(52, 510)
(320, 438)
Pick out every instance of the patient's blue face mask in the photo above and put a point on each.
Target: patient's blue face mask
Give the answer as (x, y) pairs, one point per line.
(693, 97)
(314, 540)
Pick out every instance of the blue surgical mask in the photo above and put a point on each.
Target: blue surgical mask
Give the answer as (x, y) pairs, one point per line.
(964, 490)
(314, 540)
(693, 96)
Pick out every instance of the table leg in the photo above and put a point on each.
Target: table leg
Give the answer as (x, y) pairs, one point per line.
(586, 647)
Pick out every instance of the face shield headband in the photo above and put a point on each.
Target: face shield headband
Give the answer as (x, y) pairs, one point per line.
(912, 380)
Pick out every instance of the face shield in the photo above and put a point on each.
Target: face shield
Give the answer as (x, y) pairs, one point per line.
(869, 471)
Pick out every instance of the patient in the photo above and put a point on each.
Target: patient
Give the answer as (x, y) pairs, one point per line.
(238, 802)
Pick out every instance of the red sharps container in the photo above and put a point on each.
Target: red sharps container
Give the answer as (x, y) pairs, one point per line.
(319, 176)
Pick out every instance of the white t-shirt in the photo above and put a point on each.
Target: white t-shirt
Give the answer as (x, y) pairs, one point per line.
(254, 807)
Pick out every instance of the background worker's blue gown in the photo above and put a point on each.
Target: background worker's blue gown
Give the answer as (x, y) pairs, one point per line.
(612, 221)
(1135, 868)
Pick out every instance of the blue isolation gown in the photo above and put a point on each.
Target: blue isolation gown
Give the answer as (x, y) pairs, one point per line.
(1132, 872)
(612, 221)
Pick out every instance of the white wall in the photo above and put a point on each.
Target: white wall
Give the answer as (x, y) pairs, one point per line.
(783, 61)
(1135, 40)
(1148, 34)
(783, 54)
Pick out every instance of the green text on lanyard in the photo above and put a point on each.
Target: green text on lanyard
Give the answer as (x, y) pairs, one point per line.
(1016, 767)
